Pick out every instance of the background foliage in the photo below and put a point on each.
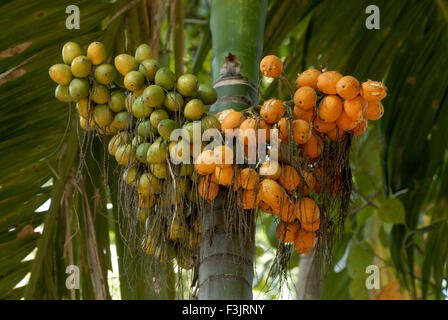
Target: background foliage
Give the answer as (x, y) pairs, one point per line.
(398, 217)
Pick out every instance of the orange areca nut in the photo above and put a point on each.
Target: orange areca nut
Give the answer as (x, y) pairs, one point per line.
(305, 241)
(271, 170)
(246, 131)
(248, 178)
(373, 90)
(327, 82)
(301, 130)
(224, 176)
(330, 108)
(248, 199)
(223, 114)
(284, 127)
(208, 190)
(205, 163)
(336, 135)
(287, 232)
(361, 127)
(271, 66)
(307, 211)
(213, 177)
(308, 78)
(323, 127)
(348, 87)
(305, 98)
(286, 210)
(271, 193)
(223, 156)
(232, 120)
(289, 178)
(314, 146)
(344, 122)
(250, 129)
(311, 226)
(306, 115)
(374, 111)
(272, 110)
(307, 183)
(354, 108)
(263, 206)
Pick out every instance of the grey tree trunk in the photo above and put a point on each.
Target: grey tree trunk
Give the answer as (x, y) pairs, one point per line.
(226, 267)
(309, 282)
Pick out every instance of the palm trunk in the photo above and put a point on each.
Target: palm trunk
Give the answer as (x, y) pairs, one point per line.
(237, 28)
(309, 282)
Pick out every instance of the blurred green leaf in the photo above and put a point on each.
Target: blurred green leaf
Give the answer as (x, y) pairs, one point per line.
(363, 215)
(358, 289)
(359, 257)
(336, 286)
(383, 236)
(392, 210)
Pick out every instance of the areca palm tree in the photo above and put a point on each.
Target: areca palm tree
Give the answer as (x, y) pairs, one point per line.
(404, 157)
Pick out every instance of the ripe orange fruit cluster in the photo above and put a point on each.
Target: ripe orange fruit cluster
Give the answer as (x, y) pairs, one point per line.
(271, 186)
(335, 104)
(326, 107)
(216, 166)
(299, 216)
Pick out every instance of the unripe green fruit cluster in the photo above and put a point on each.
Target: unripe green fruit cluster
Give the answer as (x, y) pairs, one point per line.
(139, 103)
